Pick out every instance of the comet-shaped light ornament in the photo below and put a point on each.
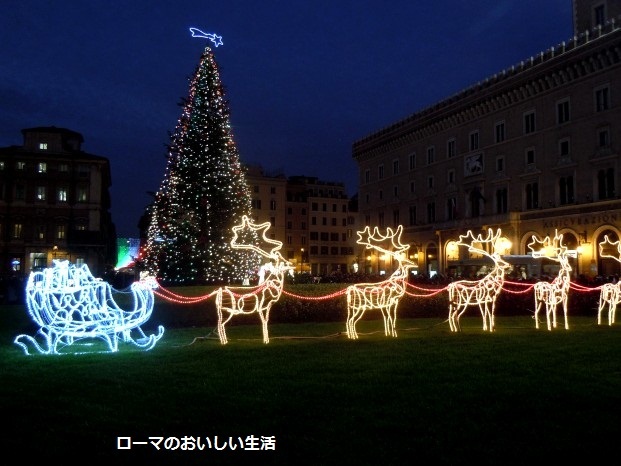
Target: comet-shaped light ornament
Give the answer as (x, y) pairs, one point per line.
(216, 39)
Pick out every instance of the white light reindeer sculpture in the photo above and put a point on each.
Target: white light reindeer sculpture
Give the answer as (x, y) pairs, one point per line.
(482, 292)
(554, 293)
(384, 295)
(610, 294)
(241, 300)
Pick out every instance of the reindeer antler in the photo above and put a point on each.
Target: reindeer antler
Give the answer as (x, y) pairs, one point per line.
(469, 240)
(605, 245)
(553, 249)
(377, 240)
(246, 224)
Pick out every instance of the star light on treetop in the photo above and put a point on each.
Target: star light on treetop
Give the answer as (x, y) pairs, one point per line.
(216, 39)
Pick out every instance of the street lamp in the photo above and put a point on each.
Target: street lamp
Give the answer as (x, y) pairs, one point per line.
(302, 260)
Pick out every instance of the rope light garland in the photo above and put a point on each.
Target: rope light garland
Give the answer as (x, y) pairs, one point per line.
(71, 306)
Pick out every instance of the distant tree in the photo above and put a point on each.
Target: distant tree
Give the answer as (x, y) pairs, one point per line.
(203, 193)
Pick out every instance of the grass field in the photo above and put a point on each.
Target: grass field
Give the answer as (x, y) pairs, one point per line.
(515, 396)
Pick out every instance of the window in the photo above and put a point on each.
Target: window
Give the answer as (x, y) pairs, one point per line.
(562, 111)
(314, 236)
(380, 172)
(256, 188)
(474, 140)
(42, 167)
(395, 167)
(529, 122)
(17, 230)
(272, 190)
(367, 175)
(60, 232)
(21, 165)
(431, 155)
(395, 191)
(43, 146)
(603, 138)
(324, 207)
(40, 232)
(532, 195)
(412, 161)
(395, 218)
(380, 219)
(412, 187)
(566, 190)
(314, 206)
(599, 15)
(20, 192)
(380, 194)
(40, 193)
(272, 204)
(530, 156)
(2, 165)
(431, 212)
(602, 99)
(501, 201)
(324, 221)
(333, 222)
(451, 208)
(499, 131)
(563, 147)
(63, 168)
(430, 182)
(256, 204)
(476, 197)
(450, 176)
(451, 151)
(500, 164)
(412, 214)
(606, 183)
(82, 195)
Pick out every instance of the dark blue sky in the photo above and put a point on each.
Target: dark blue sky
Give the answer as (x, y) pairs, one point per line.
(305, 79)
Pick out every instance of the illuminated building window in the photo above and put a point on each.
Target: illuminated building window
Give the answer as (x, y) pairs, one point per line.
(82, 194)
(61, 194)
(43, 146)
(17, 230)
(42, 167)
(40, 193)
(60, 232)
(21, 165)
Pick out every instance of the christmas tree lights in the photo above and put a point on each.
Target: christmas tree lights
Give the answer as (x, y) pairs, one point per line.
(203, 194)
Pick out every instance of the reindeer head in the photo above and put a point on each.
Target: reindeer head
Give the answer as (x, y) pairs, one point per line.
(606, 248)
(488, 246)
(389, 244)
(246, 226)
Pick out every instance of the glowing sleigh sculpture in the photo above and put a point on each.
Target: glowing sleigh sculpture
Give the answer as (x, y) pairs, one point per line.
(71, 305)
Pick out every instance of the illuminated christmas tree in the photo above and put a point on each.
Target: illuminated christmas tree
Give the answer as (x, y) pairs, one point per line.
(203, 194)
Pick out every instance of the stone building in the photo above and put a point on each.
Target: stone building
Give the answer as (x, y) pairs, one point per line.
(54, 204)
(532, 150)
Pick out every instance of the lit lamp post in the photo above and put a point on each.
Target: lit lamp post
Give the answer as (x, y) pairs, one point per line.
(302, 260)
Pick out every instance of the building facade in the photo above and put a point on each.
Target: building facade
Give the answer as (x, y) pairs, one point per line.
(54, 204)
(315, 220)
(531, 150)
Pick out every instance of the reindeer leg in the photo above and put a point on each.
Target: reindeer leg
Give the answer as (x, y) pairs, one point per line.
(565, 311)
(602, 303)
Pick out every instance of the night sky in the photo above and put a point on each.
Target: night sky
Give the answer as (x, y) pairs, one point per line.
(305, 79)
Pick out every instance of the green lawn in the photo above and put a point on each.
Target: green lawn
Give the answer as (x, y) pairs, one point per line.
(515, 396)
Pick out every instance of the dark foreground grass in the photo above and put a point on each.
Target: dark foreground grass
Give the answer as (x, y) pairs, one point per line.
(515, 396)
